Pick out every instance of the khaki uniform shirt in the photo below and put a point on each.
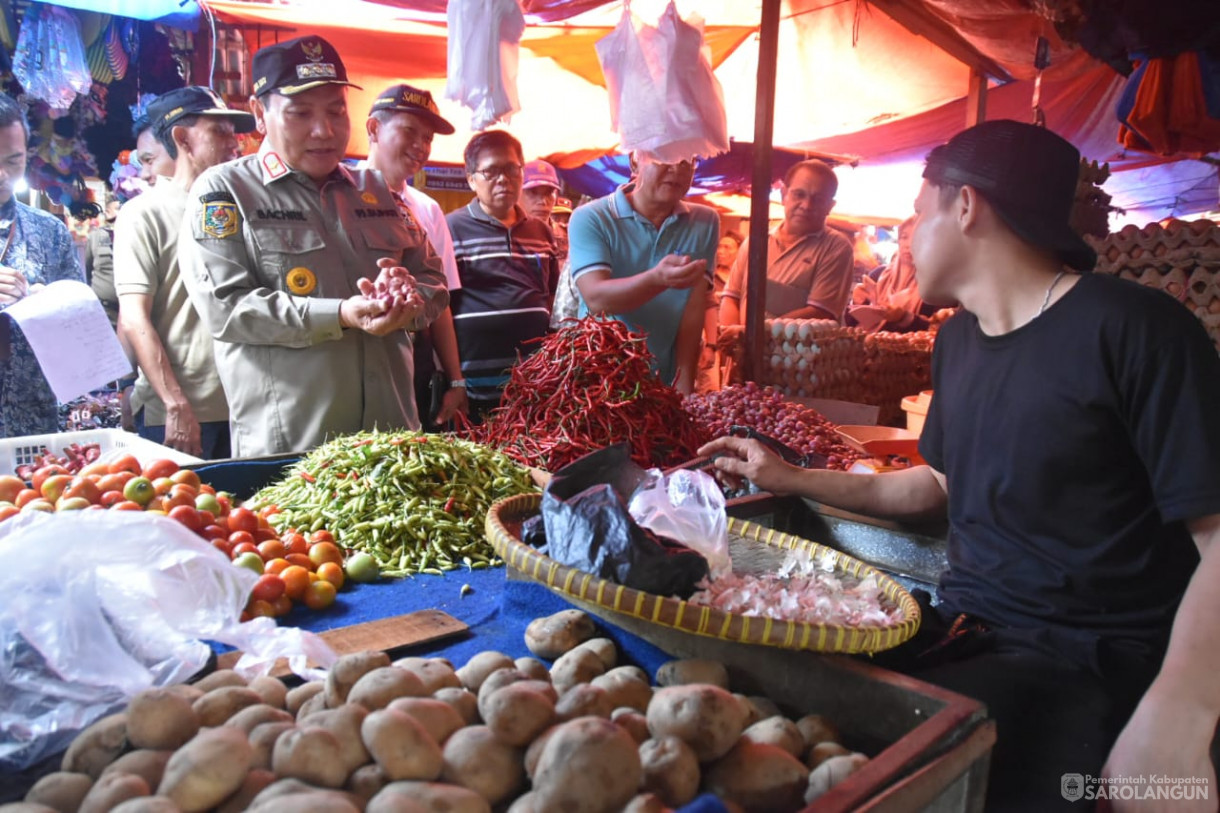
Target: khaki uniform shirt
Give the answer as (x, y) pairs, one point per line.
(267, 256)
(814, 270)
(146, 262)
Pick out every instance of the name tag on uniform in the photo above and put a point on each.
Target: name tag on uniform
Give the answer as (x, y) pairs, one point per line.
(220, 219)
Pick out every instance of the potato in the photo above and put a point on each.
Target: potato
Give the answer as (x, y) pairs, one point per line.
(431, 797)
(671, 770)
(633, 722)
(61, 791)
(255, 782)
(604, 649)
(111, 790)
(534, 751)
(160, 719)
(777, 731)
(589, 765)
(344, 722)
(556, 634)
(707, 718)
(218, 705)
(498, 680)
(753, 715)
(97, 746)
(646, 803)
(584, 700)
(629, 671)
(148, 765)
(401, 746)
(480, 666)
(525, 803)
(376, 688)
(346, 671)
(577, 666)
(281, 787)
(297, 697)
(262, 743)
(313, 755)
(758, 777)
(815, 729)
(475, 759)
(625, 689)
(219, 679)
(536, 669)
(518, 712)
(463, 702)
(436, 673)
(438, 718)
(832, 772)
(311, 800)
(202, 773)
(822, 752)
(366, 781)
(766, 706)
(25, 807)
(273, 691)
(693, 670)
(186, 690)
(312, 706)
(147, 804)
(251, 717)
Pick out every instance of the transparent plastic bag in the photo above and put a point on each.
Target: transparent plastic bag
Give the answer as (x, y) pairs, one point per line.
(100, 605)
(687, 506)
(484, 37)
(49, 59)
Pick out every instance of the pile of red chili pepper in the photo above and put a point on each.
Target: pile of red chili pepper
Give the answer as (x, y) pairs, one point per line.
(589, 385)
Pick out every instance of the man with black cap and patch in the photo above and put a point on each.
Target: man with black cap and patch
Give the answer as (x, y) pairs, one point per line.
(1073, 443)
(178, 399)
(289, 258)
(401, 125)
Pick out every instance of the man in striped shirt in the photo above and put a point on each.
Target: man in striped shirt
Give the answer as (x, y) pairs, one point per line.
(509, 269)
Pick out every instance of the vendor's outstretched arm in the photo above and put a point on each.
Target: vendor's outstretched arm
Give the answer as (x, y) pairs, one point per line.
(1172, 728)
(909, 494)
(605, 294)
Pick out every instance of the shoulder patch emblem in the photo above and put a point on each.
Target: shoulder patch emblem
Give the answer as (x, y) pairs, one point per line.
(301, 281)
(369, 198)
(220, 219)
(274, 165)
(222, 195)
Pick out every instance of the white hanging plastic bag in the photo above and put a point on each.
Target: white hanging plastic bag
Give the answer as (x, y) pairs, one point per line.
(637, 95)
(483, 43)
(100, 605)
(49, 59)
(688, 506)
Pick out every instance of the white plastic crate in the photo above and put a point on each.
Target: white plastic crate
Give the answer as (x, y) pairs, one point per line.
(15, 452)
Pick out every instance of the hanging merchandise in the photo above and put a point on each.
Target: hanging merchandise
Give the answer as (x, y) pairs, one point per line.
(664, 98)
(50, 57)
(483, 46)
(1171, 105)
(107, 59)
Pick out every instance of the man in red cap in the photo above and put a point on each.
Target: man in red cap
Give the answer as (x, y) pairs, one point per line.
(1072, 442)
(279, 252)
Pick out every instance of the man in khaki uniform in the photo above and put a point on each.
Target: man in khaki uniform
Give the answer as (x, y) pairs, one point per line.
(278, 252)
(178, 399)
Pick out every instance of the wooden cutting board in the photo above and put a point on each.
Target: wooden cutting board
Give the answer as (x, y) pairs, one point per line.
(384, 634)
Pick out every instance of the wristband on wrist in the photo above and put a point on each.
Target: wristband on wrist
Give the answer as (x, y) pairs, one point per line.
(457, 383)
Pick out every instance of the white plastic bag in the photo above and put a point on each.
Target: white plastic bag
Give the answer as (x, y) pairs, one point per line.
(484, 37)
(687, 506)
(49, 59)
(664, 98)
(99, 605)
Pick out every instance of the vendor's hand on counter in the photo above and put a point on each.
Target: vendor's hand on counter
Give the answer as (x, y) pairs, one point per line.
(13, 285)
(748, 459)
(1164, 737)
(679, 271)
(452, 402)
(182, 430)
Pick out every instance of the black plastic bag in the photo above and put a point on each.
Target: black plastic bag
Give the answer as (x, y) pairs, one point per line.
(585, 525)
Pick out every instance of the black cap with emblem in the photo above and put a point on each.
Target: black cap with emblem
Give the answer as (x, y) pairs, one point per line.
(297, 65)
(407, 99)
(194, 100)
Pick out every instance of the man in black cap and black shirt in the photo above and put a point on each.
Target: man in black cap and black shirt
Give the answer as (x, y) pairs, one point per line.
(279, 253)
(1073, 442)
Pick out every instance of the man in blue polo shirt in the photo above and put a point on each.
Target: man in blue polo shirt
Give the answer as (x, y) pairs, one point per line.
(646, 257)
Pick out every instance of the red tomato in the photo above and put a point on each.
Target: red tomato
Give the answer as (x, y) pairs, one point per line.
(267, 588)
(268, 510)
(184, 488)
(224, 546)
(175, 500)
(99, 469)
(215, 532)
(188, 516)
(110, 498)
(204, 488)
(243, 547)
(206, 518)
(333, 573)
(295, 543)
(42, 475)
(126, 463)
(321, 535)
(26, 495)
(271, 549)
(162, 485)
(324, 552)
(126, 505)
(301, 560)
(243, 519)
(186, 477)
(160, 468)
(53, 487)
(276, 566)
(10, 486)
(226, 505)
(319, 595)
(8, 511)
(238, 537)
(261, 609)
(264, 534)
(114, 482)
(282, 605)
(83, 487)
(296, 581)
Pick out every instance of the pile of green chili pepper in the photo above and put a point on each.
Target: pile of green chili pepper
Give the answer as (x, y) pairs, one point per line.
(590, 385)
(415, 502)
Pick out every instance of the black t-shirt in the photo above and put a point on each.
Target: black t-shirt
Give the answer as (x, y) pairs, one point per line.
(1075, 447)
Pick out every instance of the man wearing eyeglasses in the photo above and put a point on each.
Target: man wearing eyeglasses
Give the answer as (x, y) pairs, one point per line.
(809, 267)
(644, 256)
(509, 268)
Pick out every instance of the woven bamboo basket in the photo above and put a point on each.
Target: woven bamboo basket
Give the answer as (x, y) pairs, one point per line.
(753, 548)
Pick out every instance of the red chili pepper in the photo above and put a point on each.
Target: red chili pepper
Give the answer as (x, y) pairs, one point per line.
(449, 504)
(307, 477)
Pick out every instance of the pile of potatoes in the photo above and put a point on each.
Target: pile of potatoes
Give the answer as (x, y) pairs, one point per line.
(583, 736)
